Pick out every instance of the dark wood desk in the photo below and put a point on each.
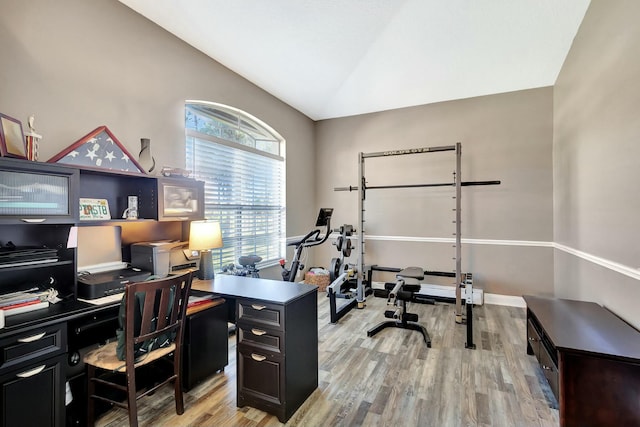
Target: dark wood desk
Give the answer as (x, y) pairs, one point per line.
(277, 340)
(591, 359)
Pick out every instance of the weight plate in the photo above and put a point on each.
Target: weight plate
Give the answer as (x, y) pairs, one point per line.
(346, 250)
(339, 243)
(334, 270)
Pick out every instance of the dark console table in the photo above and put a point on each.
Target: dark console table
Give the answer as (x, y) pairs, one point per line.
(591, 359)
(277, 336)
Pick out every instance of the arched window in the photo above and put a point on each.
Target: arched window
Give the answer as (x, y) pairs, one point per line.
(241, 160)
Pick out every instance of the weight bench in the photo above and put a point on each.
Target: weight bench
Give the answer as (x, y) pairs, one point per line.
(407, 283)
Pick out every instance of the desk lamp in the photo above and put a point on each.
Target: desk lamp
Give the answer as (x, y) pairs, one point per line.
(204, 236)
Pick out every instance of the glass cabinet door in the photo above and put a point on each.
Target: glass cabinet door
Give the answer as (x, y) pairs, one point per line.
(32, 192)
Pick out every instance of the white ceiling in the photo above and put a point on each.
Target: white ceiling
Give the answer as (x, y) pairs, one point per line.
(335, 58)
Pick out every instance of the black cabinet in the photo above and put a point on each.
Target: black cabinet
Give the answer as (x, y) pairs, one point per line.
(51, 262)
(38, 207)
(277, 353)
(32, 387)
(205, 348)
(277, 340)
(34, 396)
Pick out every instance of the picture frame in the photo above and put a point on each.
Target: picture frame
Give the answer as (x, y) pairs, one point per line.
(12, 142)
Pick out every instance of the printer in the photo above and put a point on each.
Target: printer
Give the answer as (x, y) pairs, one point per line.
(164, 257)
(101, 271)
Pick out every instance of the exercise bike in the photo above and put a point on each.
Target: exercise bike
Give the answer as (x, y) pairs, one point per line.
(313, 238)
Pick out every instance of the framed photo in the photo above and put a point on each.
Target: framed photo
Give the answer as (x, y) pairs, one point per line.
(12, 143)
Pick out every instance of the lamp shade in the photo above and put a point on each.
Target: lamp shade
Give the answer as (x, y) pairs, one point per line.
(205, 235)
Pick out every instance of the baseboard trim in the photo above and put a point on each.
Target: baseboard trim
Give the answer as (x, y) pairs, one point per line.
(508, 300)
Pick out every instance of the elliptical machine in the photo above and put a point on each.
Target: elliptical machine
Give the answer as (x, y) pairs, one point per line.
(312, 238)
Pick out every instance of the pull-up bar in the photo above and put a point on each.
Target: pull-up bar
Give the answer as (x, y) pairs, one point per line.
(409, 151)
(442, 184)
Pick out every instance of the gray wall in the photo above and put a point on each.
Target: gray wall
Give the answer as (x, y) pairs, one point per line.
(77, 65)
(505, 137)
(596, 152)
(80, 64)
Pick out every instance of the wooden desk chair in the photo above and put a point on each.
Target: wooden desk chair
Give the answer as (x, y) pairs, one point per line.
(154, 313)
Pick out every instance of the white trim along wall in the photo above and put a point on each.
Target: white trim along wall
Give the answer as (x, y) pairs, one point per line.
(497, 299)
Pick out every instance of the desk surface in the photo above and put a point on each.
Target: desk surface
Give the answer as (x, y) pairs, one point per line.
(275, 291)
(585, 326)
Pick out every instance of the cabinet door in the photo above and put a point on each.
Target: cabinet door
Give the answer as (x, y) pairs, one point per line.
(260, 378)
(205, 350)
(37, 192)
(180, 199)
(34, 396)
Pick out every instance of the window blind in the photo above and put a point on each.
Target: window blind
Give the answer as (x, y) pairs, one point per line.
(244, 192)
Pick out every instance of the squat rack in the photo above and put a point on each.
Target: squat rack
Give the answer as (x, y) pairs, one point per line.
(458, 184)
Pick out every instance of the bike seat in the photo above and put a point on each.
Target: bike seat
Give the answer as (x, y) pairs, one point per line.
(247, 260)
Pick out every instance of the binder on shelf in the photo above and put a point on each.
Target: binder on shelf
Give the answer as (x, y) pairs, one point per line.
(26, 308)
(20, 304)
(196, 301)
(18, 299)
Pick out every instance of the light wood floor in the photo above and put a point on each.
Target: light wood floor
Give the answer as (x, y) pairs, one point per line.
(391, 379)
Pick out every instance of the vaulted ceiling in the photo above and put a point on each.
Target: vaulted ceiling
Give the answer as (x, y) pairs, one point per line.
(335, 58)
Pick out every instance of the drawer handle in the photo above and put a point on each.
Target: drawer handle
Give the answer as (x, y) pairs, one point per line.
(32, 338)
(258, 307)
(533, 339)
(258, 331)
(35, 371)
(546, 368)
(258, 357)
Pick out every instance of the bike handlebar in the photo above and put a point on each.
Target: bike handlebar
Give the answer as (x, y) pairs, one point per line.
(312, 238)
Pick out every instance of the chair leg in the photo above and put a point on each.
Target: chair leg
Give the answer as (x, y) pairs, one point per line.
(131, 398)
(177, 386)
(91, 390)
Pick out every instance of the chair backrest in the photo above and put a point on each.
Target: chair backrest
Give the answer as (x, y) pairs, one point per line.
(158, 307)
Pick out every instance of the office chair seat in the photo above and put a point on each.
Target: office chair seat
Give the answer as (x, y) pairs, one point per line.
(105, 357)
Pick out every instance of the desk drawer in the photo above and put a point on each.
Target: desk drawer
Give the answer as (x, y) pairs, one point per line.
(534, 341)
(549, 369)
(32, 345)
(261, 314)
(262, 339)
